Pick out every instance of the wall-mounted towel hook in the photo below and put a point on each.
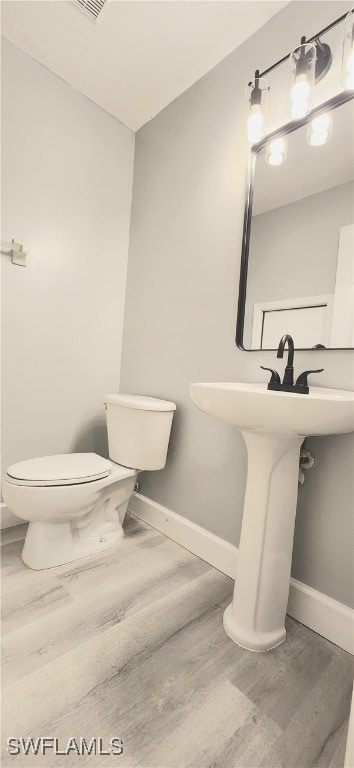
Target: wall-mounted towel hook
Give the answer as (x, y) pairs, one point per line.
(16, 251)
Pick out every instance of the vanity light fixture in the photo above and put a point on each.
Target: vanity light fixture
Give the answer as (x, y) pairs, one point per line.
(256, 92)
(276, 151)
(309, 63)
(302, 65)
(320, 130)
(348, 53)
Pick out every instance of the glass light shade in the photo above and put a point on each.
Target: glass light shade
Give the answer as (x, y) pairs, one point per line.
(348, 53)
(276, 152)
(256, 93)
(302, 64)
(320, 130)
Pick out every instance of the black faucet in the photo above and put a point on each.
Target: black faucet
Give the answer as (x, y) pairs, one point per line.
(301, 386)
(289, 370)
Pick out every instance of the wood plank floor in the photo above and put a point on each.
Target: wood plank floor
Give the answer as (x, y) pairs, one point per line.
(130, 644)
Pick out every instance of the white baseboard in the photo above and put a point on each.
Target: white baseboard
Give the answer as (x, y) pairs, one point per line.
(196, 539)
(326, 616)
(7, 519)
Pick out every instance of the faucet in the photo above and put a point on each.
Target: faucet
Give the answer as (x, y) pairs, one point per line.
(301, 386)
(289, 370)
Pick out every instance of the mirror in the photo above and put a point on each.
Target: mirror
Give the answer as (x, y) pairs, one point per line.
(297, 269)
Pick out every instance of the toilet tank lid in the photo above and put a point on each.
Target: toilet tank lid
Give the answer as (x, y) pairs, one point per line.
(140, 402)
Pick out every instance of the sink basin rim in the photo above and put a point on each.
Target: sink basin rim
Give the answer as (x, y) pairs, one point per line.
(315, 393)
(251, 406)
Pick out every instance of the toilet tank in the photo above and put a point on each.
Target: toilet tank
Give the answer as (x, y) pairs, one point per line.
(138, 430)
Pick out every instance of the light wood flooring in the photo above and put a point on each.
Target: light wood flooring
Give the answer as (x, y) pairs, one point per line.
(130, 644)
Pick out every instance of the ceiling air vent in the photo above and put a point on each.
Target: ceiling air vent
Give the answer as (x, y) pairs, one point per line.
(91, 8)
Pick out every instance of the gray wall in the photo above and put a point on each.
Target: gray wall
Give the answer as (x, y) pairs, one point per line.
(67, 174)
(184, 259)
(294, 249)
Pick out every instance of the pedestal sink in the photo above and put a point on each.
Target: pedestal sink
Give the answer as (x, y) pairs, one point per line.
(273, 425)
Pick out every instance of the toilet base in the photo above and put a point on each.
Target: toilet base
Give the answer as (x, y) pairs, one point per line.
(48, 545)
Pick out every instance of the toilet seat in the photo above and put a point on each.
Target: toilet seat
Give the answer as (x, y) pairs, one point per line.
(64, 469)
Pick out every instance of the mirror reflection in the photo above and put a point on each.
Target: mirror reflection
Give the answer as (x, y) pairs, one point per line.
(301, 255)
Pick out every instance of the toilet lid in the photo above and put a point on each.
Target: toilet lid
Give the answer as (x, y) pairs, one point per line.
(141, 402)
(65, 469)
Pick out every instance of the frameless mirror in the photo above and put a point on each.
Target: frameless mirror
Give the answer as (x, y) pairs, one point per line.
(297, 269)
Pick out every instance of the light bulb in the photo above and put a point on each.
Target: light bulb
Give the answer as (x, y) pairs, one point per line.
(277, 146)
(300, 90)
(321, 123)
(317, 138)
(276, 152)
(302, 64)
(275, 158)
(320, 130)
(255, 124)
(300, 93)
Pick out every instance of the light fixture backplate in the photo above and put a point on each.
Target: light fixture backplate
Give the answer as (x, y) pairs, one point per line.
(323, 60)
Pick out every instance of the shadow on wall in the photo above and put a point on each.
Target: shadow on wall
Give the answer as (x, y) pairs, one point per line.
(92, 438)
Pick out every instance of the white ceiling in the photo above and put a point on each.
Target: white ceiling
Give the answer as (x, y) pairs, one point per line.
(141, 54)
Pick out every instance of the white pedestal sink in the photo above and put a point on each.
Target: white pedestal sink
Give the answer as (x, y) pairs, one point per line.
(273, 425)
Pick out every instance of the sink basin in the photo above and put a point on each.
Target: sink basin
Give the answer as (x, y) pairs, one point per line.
(273, 425)
(254, 407)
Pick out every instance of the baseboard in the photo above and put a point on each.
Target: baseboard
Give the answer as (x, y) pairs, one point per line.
(326, 616)
(196, 539)
(7, 519)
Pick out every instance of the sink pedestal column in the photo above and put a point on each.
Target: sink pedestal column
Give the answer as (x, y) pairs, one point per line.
(256, 618)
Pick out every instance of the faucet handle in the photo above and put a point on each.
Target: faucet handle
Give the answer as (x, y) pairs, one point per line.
(275, 378)
(302, 382)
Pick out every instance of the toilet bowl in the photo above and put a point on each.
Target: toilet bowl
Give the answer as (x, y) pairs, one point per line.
(76, 503)
(69, 516)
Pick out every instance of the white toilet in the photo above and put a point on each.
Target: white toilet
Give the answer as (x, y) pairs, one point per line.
(76, 503)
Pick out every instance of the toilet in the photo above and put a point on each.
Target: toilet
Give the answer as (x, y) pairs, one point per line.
(75, 503)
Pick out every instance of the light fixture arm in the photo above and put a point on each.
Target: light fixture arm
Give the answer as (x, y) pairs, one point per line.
(312, 39)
